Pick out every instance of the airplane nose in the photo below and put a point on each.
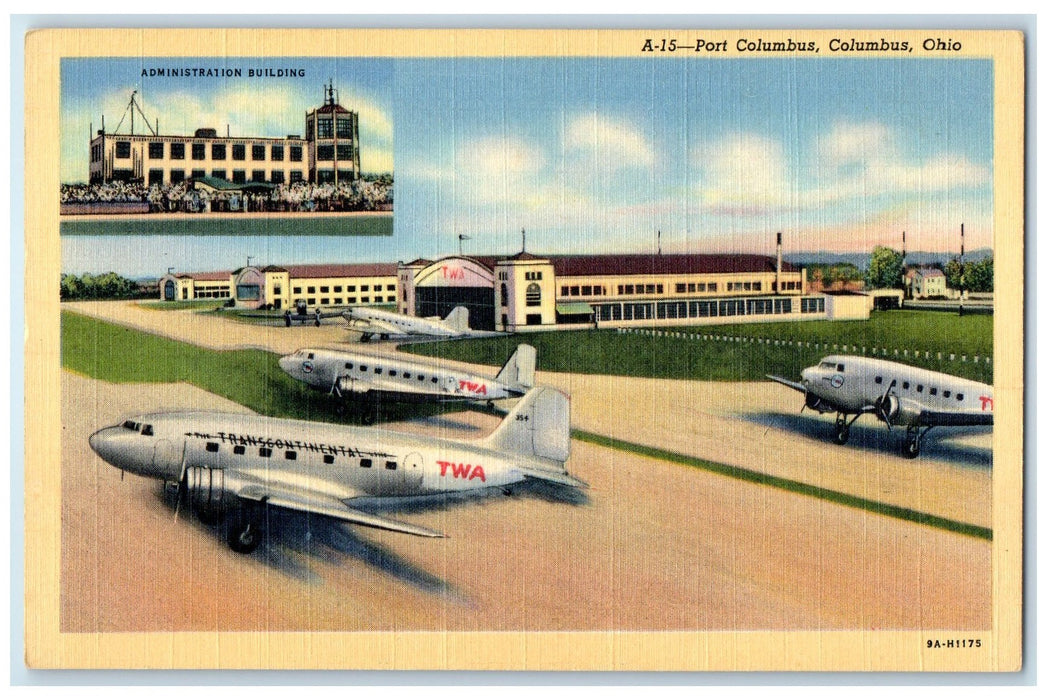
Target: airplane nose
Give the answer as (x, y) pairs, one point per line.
(103, 442)
(287, 364)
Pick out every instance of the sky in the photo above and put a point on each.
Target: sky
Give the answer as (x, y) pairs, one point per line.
(601, 154)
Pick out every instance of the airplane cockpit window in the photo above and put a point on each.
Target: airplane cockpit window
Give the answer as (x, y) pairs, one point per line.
(310, 356)
(131, 425)
(827, 365)
(147, 429)
(839, 368)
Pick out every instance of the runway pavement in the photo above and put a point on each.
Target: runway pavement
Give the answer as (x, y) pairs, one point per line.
(653, 545)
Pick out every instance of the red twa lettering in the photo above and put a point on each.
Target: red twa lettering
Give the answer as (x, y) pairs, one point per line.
(986, 402)
(462, 471)
(452, 273)
(472, 387)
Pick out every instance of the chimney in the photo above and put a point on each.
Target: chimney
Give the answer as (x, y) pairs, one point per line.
(778, 269)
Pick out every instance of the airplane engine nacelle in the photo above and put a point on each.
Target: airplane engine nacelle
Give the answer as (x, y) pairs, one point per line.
(818, 404)
(345, 384)
(206, 488)
(898, 410)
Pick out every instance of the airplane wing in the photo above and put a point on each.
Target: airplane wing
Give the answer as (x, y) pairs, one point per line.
(404, 391)
(792, 385)
(928, 417)
(562, 478)
(311, 502)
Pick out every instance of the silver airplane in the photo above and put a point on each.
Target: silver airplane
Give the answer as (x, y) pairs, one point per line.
(370, 377)
(897, 394)
(386, 324)
(235, 465)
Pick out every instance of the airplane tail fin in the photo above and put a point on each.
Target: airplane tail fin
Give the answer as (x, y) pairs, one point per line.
(458, 319)
(518, 371)
(538, 426)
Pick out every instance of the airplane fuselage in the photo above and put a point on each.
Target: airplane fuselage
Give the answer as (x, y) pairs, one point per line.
(406, 325)
(347, 372)
(302, 457)
(851, 384)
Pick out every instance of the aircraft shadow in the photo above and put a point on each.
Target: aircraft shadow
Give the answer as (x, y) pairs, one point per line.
(874, 437)
(294, 541)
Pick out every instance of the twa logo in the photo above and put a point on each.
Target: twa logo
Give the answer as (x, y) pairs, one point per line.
(462, 471)
(452, 273)
(472, 387)
(986, 402)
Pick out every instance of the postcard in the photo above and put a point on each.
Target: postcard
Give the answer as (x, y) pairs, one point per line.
(524, 349)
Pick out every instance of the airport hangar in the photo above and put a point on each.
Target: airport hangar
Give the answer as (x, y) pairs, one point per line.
(329, 153)
(527, 292)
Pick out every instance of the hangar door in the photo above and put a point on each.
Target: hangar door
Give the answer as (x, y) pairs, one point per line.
(453, 282)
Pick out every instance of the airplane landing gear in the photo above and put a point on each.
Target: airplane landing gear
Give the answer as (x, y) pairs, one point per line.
(245, 531)
(913, 438)
(842, 433)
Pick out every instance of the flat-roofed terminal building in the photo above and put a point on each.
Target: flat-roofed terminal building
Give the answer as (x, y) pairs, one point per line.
(283, 287)
(329, 153)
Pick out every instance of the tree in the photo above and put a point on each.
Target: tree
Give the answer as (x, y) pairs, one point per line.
(885, 269)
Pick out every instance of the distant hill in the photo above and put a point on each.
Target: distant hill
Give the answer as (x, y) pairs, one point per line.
(861, 260)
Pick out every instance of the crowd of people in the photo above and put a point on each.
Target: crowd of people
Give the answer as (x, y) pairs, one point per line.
(359, 195)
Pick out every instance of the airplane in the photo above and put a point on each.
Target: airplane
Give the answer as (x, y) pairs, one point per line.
(897, 394)
(386, 324)
(231, 466)
(346, 374)
(302, 315)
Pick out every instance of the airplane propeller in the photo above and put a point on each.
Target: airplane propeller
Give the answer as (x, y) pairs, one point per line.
(183, 487)
(882, 405)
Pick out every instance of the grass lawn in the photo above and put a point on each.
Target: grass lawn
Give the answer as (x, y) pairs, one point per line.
(638, 355)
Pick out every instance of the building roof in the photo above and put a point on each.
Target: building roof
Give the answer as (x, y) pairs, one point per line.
(341, 270)
(675, 264)
(930, 272)
(220, 276)
(332, 108)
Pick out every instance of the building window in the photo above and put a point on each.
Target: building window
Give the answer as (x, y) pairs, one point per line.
(199, 152)
(296, 176)
(277, 177)
(296, 157)
(217, 151)
(258, 176)
(325, 153)
(239, 151)
(220, 174)
(156, 149)
(123, 149)
(345, 152)
(258, 151)
(277, 152)
(156, 176)
(324, 128)
(239, 177)
(177, 176)
(296, 290)
(534, 295)
(345, 128)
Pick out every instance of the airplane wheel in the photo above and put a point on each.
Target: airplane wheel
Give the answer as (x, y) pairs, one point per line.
(912, 448)
(842, 434)
(244, 535)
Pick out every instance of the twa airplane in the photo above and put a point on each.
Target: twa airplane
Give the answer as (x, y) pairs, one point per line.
(386, 324)
(237, 464)
(372, 377)
(897, 394)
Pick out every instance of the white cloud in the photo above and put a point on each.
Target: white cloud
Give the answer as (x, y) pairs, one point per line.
(743, 174)
(614, 144)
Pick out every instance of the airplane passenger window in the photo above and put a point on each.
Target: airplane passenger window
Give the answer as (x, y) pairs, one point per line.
(905, 385)
(363, 368)
(265, 452)
(390, 465)
(392, 373)
(238, 449)
(407, 375)
(959, 397)
(421, 377)
(946, 393)
(434, 380)
(348, 365)
(377, 370)
(365, 463)
(328, 459)
(919, 388)
(879, 380)
(933, 391)
(212, 447)
(290, 454)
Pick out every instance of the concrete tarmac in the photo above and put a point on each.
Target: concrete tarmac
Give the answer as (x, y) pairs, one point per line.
(653, 545)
